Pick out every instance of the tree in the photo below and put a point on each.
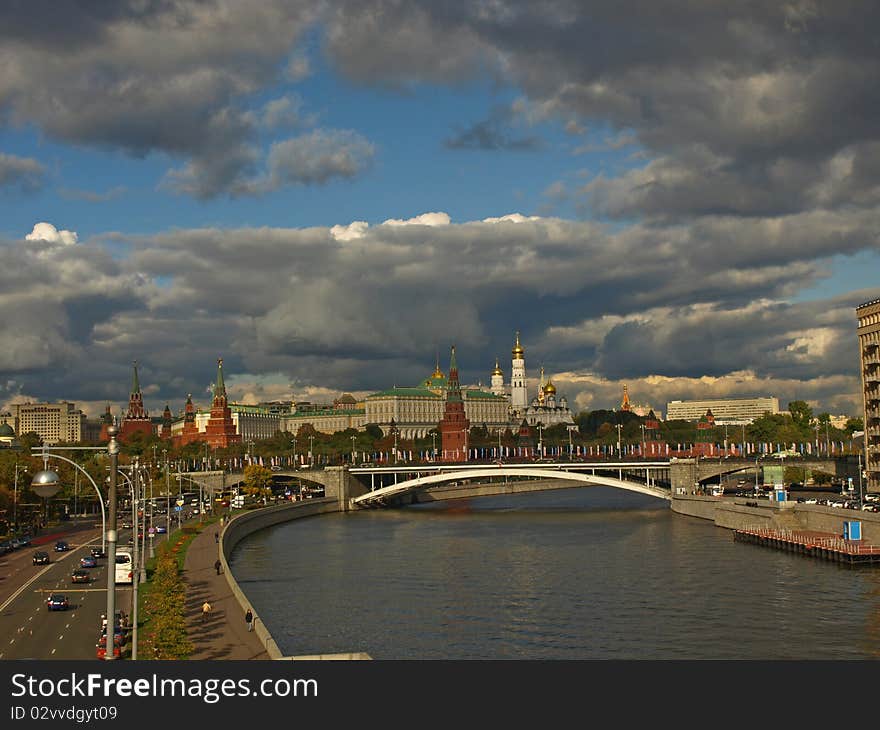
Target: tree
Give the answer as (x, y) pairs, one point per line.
(801, 414)
(257, 479)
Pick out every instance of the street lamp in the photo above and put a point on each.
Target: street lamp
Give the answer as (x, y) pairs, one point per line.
(46, 483)
(294, 452)
(353, 439)
(434, 445)
(642, 426)
(540, 440)
(311, 452)
(113, 451)
(15, 498)
(619, 426)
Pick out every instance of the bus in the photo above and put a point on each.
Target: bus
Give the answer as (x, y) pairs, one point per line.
(123, 566)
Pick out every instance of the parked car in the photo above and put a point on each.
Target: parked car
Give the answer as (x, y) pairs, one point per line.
(41, 557)
(88, 561)
(62, 546)
(80, 575)
(6, 547)
(56, 602)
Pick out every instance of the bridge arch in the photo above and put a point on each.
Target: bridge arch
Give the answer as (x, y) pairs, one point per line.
(382, 496)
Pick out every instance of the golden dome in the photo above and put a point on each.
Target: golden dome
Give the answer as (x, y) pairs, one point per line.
(517, 349)
(497, 370)
(550, 388)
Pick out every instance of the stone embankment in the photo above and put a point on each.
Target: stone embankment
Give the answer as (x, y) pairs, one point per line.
(743, 513)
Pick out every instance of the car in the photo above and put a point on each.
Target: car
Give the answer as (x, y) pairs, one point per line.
(88, 561)
(126, 525)
(61, 546)
(80, 575)
(6, 547)
(161, 530)
(41, 557)
(275, 467)
(56, 602)
(96, 552)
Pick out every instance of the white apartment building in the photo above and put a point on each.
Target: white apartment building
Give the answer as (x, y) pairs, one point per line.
(733, 411)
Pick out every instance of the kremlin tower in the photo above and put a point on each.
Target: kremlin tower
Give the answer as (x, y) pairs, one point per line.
(220, 431)
(136, 417)
(454, 425)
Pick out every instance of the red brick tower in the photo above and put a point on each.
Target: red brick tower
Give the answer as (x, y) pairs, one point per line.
(136, 417)
(165, 433)
(190, 431)
(454, 425)
(220, 431)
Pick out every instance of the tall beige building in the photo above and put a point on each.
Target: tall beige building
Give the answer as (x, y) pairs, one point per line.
(869, 356)
(52, 422)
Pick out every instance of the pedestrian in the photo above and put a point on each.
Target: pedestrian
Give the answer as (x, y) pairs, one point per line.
(249, 620)
(217, 565)
(206, 610)
(216, 537)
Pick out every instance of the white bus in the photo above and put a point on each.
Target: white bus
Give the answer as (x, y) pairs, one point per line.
(123, 566)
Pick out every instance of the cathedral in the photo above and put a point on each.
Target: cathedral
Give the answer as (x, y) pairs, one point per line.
(543, 408)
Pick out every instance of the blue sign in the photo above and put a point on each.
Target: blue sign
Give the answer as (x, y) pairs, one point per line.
(177, 508)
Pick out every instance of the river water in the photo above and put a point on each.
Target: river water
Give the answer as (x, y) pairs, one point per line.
(593, 573)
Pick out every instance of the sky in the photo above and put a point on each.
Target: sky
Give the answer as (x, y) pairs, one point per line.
(682, 197)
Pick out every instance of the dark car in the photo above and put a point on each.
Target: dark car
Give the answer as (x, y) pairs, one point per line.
(88, 561)
(96, 552)
(41, 558)
(56, 602)
(6, 547)
(62, 546)
(80, 576)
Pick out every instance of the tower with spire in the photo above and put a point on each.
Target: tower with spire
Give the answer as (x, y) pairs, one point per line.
(519, 393)
(625, 405)
(220, 430)
(165, 432)
(136, 418)
(497, 380)
(454, 424)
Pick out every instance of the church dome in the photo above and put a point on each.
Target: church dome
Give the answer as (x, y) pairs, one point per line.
(497, 370)
(517, 348)
(6, 430)
(549, 389)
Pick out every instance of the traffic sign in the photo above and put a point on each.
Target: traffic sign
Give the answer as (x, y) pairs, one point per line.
(178, 508)
(179, 503)
(151, 531)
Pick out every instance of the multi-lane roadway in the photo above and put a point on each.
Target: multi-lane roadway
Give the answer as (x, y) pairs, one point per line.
(27, 629)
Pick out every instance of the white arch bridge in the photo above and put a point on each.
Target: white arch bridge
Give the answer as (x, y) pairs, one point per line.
(464, 481)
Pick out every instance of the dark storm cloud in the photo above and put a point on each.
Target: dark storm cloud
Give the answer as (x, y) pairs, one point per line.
(20, 173)
(494, 133)
(745, 108)
(143, 77)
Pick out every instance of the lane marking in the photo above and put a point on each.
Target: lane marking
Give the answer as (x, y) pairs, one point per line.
(24, 587)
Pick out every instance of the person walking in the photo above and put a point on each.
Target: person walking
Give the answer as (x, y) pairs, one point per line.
(216, 537)
(249, 620)
(217, 565)
(206, 611)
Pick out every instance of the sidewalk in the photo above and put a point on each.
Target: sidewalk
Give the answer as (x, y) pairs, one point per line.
(224, 635)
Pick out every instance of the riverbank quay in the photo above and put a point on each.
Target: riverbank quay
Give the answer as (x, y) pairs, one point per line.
(822, 545)
(740, 513)
(234, 602)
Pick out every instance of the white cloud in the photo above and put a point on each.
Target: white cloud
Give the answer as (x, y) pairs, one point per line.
(425, 219)
(354, 230)
(512, 218)
(47, 232)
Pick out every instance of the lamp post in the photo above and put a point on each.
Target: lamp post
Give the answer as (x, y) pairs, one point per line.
(499, 444)
(743, 454)
(642, 426)
(311, 452)
(540, 440)
(15, 498)
(113, 451)
(619, 426)
(434, 445)
(353, 439)
(294, 452)
(167, 497)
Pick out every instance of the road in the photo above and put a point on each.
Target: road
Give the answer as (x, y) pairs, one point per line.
(27, 629)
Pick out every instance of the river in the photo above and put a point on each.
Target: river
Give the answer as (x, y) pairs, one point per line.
(593, 573)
